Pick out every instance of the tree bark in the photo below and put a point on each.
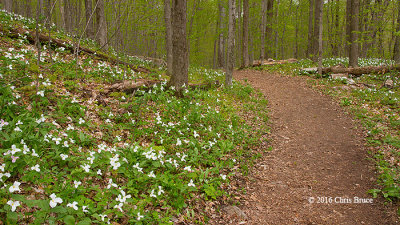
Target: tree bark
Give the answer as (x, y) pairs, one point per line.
(310, 28)
(221, 42)
(268, 28)
(348, 27)
(318, 9)
(231, 44)
(335, 50)
(320, 26)
(8, 5)
(396, 50)
(101, 24)
(180, 60)
(358, 71)
(168, 35)
(89, 19)
(353, 52)
(245, 47)
(263, 21)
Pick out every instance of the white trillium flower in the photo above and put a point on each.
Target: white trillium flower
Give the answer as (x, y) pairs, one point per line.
(86, 168)
(13, 204)
(139, 217)
(81, 121)
(191, 184)
(102, 217)
(36, 168)
(54, 200)
(15, 187)
(73, 205)
(63, 156)
(84, 208)
(151, 174)
(223, 177)
(77, 183)
(41, 93)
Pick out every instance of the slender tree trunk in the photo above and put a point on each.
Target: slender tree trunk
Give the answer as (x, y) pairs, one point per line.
(101, 24)
(180, 60)
(353, 52)
(310, 28)
(348, 26)
(89, 19)
(245, 47)
(276, 30)
(336, 33)
(28, 9)
(168, 34)
(318, 10)
(231, 44)
(396, 50)
(263, 21)
(268, 28)
(284, 30)
(8, 5)
(221, 42)
(296, 39)
(320, 26)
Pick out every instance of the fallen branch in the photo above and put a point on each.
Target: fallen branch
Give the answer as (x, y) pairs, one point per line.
(16, 32)
(130, 86)
(272, 62)
(356, 71)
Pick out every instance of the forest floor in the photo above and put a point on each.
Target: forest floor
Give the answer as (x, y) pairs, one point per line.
(318, 165)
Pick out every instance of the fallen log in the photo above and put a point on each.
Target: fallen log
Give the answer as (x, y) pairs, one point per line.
(130, 86)
(358, 71)
(17, 32)
(272, 62)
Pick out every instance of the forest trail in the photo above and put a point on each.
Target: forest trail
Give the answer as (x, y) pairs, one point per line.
(317, 152)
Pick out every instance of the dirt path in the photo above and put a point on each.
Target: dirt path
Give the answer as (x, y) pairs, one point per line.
(316, 153)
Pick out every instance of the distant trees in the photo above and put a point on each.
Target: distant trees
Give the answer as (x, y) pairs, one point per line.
(265, 29)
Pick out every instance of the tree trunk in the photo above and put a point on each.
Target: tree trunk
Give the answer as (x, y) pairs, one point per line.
(318, 9)
(296, 47)
(320, 26)
(245, 47)
(28, 12)
(89, 19)
(180, 60)
(101, 24)
(268, 27)
(336, 39)
(310, 28)
(221, 44)
(8, 5)
(67, 16)
(231, 44)
(168, 34)
(263, 21)
(396, 50)
(348, 26)
(353, 52)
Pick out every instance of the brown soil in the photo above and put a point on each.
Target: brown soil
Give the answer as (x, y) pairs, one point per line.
(317, 152)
